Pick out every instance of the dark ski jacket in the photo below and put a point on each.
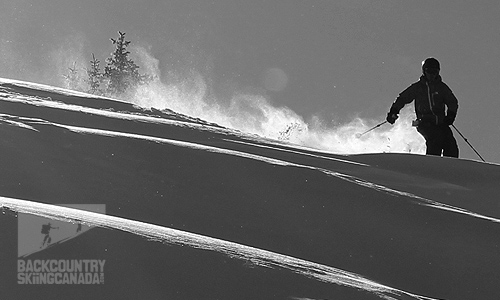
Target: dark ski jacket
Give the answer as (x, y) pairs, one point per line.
(430, 100)
(45, 229)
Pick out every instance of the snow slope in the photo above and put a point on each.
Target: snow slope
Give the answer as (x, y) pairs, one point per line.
(198, 211)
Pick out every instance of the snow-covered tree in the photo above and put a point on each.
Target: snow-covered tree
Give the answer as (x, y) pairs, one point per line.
(72, 79)
(121, 72)
(94, 76)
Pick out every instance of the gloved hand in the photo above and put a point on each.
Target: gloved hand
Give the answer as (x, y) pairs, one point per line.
(391, 117)
(450, 118)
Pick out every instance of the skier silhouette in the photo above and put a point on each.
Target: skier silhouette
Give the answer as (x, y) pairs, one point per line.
(46, 230)
(431, 95)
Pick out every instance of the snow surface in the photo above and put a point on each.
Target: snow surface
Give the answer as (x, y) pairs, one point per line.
(198, 211)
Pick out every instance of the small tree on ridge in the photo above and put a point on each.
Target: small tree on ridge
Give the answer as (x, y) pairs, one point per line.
(72, 78)
(120, 71)
(94, 76)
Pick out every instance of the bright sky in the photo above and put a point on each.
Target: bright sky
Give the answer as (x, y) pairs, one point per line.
(321, 62)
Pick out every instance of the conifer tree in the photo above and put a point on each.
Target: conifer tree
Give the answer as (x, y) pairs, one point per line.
(71, 79)
(94, 76)
(120, 71)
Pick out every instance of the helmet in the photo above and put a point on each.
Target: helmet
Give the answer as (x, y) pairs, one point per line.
(431, 63)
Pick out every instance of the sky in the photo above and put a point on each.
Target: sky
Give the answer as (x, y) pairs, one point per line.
(310, 72)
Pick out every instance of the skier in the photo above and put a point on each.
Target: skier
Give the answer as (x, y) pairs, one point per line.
(46, 231)
(431, 95)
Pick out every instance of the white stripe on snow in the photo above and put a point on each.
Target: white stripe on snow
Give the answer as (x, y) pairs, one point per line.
(256, 256)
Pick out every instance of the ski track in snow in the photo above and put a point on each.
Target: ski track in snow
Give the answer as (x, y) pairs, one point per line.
(298, 152)
(15, 121)
(258, 257)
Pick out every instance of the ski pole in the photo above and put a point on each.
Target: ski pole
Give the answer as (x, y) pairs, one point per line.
(358, 135)
(465, 139)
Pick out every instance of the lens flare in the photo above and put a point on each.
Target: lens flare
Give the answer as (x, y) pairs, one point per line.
(275, 79)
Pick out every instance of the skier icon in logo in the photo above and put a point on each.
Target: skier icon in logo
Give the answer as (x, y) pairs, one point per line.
(46, 231)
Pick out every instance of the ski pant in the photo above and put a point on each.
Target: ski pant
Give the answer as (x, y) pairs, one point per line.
(439, 140)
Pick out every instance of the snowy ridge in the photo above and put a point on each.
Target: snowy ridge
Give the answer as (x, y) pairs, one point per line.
(48, 88)
(49, 103)
(391, 226)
